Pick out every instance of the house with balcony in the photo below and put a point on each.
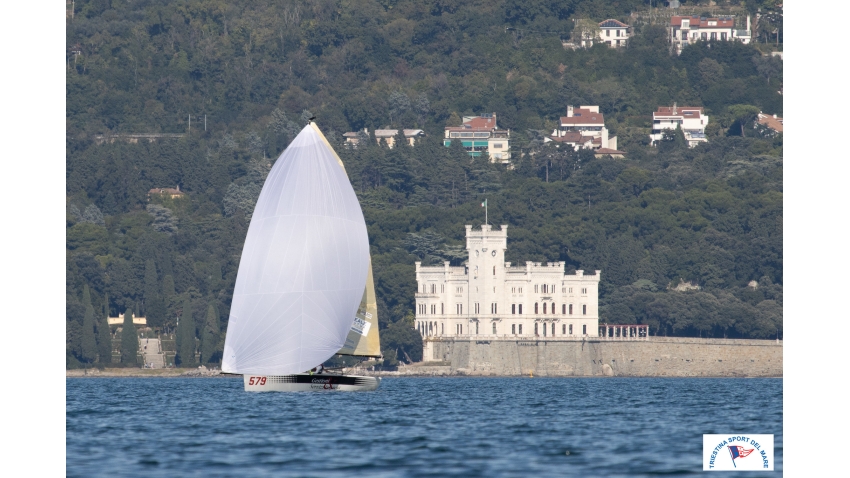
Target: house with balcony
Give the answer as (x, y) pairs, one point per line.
(479, 135)
(613, 32)
(691, 119)
(686, 30)
(583, 127)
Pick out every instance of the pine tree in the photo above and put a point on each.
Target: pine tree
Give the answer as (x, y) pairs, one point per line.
(129, 340)
(186, 336)
(209, 337)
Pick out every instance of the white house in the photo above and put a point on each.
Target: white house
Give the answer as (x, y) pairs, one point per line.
(686, 30)
(492, 298)
(583, 127)
(480, 134)
(386, 135)
(691, 119)
(613, 32)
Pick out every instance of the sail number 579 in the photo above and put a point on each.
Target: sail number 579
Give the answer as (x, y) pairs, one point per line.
(257, 381)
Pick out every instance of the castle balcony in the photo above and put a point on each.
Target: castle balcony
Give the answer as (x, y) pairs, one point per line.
(421, 295)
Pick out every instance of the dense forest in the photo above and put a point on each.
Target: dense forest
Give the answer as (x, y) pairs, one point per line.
(689, 241)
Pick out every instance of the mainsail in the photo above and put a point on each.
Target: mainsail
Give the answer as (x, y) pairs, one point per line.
(363, 337)
(304, 265)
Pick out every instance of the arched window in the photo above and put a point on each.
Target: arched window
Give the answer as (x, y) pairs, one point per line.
(553, 330)
(564, 309)
(494, 328)
(535, 308)
(571, 309)
(494, 270)
(544, 307)
(553, 308)
(535, 329)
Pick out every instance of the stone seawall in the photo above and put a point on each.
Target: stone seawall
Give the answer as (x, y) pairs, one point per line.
(653, 357)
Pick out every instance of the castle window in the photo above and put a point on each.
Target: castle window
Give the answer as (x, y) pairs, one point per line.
(535, 308)
(442, 329)
(571, 309)
(442, 308)
(571, 290)
(476, 328)
(584, 291)
(584, 329)
(544, 330)
(494, 270)
(494, 328)
(553, 308)
(442, 287)
(520, 309)
(535, 288)
(564, 329)
(520, 290)
(513, 309)
(571, 329)
(553, 330)
(535, 329)
(544, 307)
(564, 309)
(513, 329)
(584, 309)
(433, 288)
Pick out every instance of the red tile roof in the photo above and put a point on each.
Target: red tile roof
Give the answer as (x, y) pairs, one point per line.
(611, 23)
(582, 116)
(608, 151)
(698, 22)
(479, 122)
(771, 122)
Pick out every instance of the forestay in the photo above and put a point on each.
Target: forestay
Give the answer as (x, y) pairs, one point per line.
(303, 268)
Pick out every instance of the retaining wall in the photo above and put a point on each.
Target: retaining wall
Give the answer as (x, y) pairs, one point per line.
(653, 357)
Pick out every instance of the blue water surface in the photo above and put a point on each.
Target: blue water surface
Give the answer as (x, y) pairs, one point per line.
(412, 427)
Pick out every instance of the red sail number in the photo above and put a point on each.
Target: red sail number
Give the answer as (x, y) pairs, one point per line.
(257, 381)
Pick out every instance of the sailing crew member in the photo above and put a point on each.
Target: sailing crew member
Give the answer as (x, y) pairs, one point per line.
(320, 368)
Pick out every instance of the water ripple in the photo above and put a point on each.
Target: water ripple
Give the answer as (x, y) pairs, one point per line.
(411, 427)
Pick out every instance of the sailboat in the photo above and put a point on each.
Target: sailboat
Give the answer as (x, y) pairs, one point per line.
(304, 289)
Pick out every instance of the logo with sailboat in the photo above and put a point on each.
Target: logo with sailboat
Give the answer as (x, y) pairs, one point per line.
(305, 271)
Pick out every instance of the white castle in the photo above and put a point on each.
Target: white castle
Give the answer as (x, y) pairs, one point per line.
(489, 298)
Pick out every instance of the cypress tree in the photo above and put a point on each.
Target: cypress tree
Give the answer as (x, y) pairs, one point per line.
(209, 337)
(129, 341)
(186, 336)
(104, 341)
(168, 286)
(88, 346)
(153, 310)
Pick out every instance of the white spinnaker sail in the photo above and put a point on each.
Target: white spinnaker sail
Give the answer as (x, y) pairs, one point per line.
(303, 268)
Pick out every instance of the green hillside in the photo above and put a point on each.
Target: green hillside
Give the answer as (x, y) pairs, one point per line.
(252, 72)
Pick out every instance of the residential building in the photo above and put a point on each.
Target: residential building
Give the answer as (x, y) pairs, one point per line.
(691, 119)
(608, 152)
(169, 192)
(583, 127)
(491, 298)
(480, 134)
(613, 32)
(686, 30)
(386, 135)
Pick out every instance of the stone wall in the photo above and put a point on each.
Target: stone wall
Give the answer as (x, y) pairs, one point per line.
(653, 357)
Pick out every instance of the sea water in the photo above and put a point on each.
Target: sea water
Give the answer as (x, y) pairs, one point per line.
(412, 427)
